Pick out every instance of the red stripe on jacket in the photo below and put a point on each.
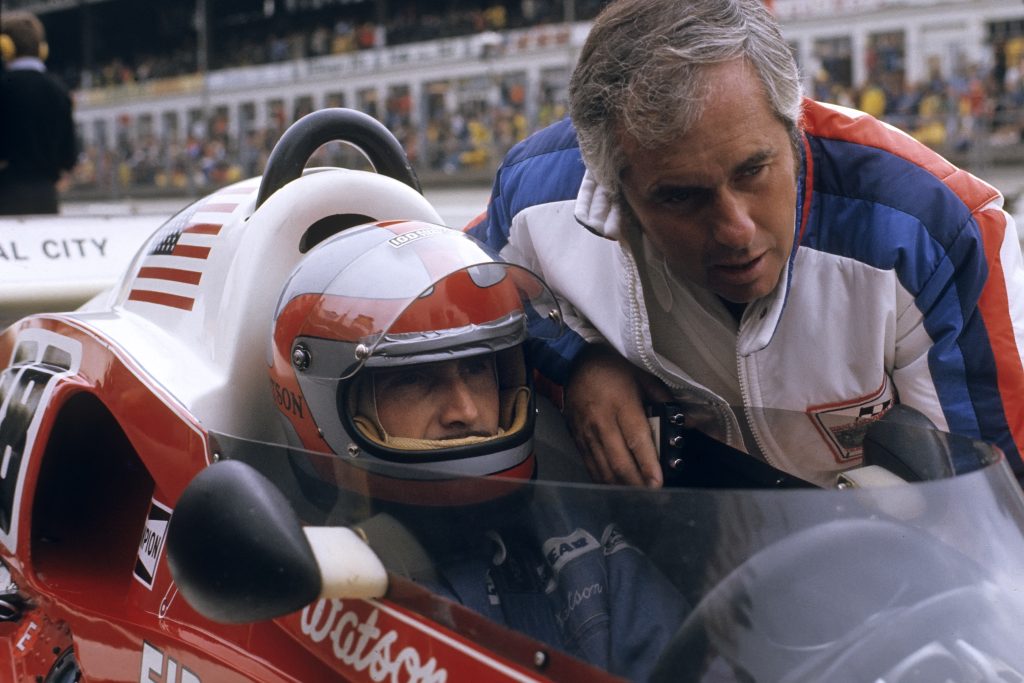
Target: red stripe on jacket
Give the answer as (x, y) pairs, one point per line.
(994, 307)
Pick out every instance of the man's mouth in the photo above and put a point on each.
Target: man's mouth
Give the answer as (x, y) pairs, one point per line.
(739, 267)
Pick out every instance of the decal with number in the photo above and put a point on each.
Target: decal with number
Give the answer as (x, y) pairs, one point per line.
(40, 358)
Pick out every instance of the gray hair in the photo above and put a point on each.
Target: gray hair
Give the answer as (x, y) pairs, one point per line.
(640, 72)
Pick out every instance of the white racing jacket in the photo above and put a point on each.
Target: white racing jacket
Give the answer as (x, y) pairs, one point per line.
(905, 285)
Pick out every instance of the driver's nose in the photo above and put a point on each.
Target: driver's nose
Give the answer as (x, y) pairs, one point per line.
(459, 408)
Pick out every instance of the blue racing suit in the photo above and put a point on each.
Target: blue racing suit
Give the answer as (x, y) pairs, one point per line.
(570, 580)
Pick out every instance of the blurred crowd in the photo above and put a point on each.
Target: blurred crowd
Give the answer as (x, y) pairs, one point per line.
(971, 116)
(472, 139)
(316, 34)
(975, 114)
(975, 111)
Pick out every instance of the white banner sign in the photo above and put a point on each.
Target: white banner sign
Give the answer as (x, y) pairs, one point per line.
(55, 262)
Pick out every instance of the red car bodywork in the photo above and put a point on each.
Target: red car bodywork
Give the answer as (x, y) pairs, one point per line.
(105, 417)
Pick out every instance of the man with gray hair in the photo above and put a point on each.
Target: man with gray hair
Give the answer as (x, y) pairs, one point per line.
(719, 240)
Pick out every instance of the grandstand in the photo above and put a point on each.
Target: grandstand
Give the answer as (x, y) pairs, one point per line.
(182, 96)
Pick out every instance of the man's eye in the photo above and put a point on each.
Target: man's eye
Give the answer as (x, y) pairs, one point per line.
(753, 171)
(677, 196)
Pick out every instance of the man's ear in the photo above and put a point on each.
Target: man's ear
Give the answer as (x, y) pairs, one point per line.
(44, 50)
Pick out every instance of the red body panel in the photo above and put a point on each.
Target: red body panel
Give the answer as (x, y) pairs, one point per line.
(96, 446)
(85, 585)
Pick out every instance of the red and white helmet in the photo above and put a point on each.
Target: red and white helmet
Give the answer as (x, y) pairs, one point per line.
(395, 294)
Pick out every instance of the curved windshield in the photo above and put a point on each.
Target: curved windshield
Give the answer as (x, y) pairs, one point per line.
(882, 580)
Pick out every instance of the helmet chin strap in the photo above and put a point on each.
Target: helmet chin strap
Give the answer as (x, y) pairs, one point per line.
(404, 443)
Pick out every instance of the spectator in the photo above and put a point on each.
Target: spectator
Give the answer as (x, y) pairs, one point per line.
(872, 100)
(931, 114)
(37, 138)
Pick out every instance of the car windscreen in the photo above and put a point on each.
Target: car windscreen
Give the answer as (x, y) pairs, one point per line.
(693, 583)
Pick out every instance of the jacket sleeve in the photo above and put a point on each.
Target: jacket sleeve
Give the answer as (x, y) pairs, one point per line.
(516, 187)
(959, 349)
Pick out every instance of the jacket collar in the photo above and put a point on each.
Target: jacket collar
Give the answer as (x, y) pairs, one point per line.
(596, 209)
(26, 64)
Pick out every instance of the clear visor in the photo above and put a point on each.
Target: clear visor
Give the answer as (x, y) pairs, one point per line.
(465, 401)
(422, 296)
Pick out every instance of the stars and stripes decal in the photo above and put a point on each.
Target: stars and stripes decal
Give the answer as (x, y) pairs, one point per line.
(177, 255)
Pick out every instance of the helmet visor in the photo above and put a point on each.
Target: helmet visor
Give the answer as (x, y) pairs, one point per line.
(418, 295)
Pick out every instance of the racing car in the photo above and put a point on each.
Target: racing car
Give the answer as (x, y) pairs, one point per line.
(157, 524)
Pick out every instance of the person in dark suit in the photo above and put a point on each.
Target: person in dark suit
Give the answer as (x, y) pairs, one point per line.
(37, 133)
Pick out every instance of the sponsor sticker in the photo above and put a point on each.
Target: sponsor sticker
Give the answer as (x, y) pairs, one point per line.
(844, 427)
(158, 667)
(413, 235)
(561, 550)
(152, 543)
(612, 540)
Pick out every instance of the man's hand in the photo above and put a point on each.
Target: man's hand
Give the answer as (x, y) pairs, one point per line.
(604, 409)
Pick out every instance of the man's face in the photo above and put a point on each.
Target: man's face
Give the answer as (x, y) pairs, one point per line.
(445, 400)
(719, 202)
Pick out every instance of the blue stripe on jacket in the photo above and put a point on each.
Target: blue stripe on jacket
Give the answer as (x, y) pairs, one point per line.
(922, 230)
(545, 167)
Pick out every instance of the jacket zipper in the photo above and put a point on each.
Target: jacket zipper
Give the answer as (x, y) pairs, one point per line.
(745, 394)
(726, 414)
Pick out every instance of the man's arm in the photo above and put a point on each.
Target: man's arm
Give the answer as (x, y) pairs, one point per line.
(959, 349)
(604, 408)
(552, 357)
(603, 393)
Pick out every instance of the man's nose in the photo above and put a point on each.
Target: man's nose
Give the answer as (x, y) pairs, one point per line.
(733, 226)
(459, 406)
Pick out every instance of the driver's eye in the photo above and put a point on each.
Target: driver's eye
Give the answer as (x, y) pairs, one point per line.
(412, 378)
(403, 379)
(476, 366)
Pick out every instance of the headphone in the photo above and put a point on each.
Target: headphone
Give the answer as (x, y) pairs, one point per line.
(8, 51)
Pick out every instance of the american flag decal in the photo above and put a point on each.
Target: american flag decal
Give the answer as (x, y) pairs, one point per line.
(177, 255)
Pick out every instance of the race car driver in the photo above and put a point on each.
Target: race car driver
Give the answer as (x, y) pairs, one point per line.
(404, 341)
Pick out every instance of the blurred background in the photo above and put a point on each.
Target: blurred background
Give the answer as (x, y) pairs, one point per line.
(174, 98)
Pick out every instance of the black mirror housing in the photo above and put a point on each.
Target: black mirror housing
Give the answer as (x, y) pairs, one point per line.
(236, 549)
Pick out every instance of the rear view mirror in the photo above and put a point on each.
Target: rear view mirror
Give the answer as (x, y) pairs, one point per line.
(238, 552)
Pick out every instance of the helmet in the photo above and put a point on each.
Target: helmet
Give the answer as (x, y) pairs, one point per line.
(388, 299)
